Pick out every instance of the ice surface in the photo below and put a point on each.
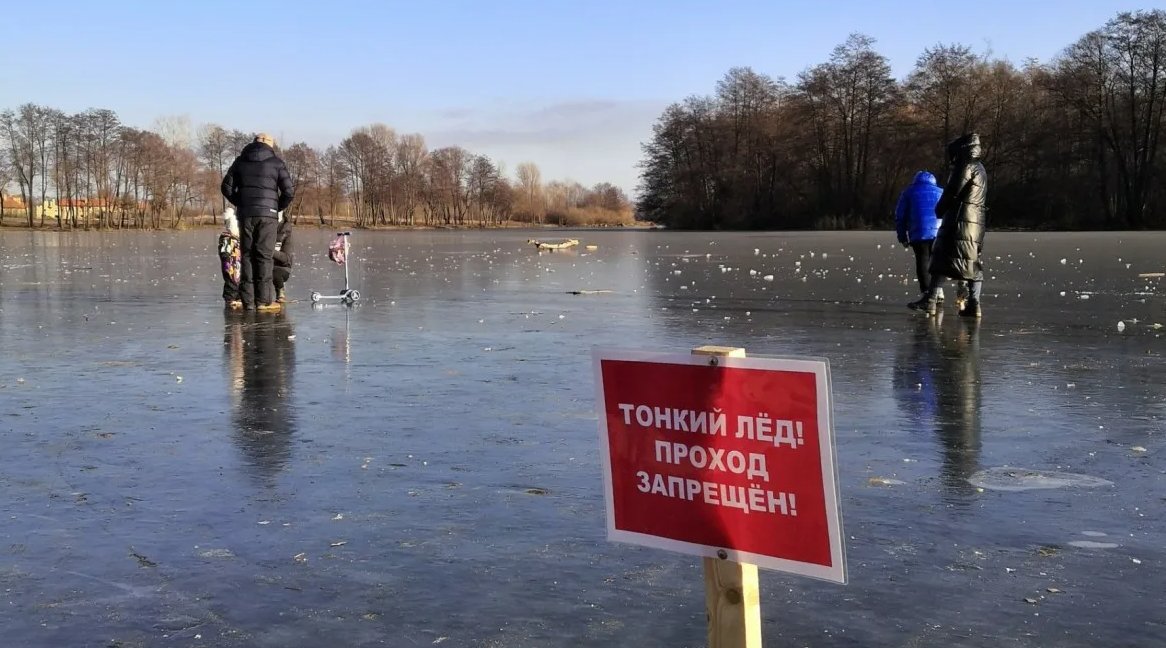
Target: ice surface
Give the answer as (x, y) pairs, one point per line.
(431, 454)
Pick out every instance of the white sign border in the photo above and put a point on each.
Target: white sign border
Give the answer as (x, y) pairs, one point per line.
(820, 367)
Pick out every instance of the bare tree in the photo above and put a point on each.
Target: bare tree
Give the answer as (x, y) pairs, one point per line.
(410, 159)
(182, 181)
(6, 177)
(238, 141)
(63, 144)
(946, 86)
(103, 129)
(530, 184)
(484, 186)
(216, 150)
(94, 166)
(334, 174)
(175, 130)
(363, 157)
(42, 142)
(448, 183)
(557, 200)
(848, 99)
(303, 164)
(385, 171)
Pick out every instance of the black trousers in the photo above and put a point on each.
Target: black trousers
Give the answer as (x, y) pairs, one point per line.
(257, 235)
(922, 250)
(279, 276)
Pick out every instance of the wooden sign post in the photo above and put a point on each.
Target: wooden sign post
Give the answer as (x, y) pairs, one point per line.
(725, 457)
(732, 599)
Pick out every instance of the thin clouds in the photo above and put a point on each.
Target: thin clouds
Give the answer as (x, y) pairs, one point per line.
(584, 109)
(456, 113)
(590, 140)
(564, 116)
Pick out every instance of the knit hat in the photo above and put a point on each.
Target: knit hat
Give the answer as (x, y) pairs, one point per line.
(266, 139)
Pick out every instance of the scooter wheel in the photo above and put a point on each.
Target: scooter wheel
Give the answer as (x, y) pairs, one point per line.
(353, 295)
(315, 297)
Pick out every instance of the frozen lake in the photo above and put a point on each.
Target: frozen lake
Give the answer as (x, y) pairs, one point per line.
(422, 469)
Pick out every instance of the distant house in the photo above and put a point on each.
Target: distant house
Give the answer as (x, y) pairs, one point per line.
(66, 207)
(81, 203)
(47, 209)
(14, 203)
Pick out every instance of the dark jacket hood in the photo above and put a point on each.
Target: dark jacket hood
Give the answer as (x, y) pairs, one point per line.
(257, 183)
(964, 147)
(257, 152)
(925, 177)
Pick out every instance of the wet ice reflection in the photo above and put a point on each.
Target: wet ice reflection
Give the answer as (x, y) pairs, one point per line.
(260, 358)
(937, 385)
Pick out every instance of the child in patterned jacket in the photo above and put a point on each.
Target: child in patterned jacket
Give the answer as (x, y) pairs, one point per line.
(231, 259)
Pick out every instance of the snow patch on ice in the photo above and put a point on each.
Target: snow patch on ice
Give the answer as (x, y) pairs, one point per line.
(1005, 478)
(1092, 544)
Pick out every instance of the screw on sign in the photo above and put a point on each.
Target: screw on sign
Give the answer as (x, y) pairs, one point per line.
(730, 458)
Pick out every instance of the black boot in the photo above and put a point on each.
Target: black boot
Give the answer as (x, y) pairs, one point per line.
(919, 304)
(971, 309)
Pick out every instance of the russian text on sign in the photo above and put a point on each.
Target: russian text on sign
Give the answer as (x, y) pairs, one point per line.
(734, 461)
(752, 499)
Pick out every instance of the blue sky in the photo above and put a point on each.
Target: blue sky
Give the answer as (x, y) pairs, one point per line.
(572, 86)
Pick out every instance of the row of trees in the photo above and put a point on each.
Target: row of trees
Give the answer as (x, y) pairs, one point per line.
(1074, 143)
(89, 169)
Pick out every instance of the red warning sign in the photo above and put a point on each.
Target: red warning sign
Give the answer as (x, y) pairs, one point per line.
(707, 455)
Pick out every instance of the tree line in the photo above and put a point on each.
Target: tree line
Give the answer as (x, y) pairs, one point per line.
(1072, 144)
(91, 170)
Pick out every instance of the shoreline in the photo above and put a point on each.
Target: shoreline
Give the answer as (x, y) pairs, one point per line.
(5, 227)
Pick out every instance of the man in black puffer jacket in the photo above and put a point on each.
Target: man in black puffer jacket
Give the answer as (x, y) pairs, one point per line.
(964, 210)
(259, 187)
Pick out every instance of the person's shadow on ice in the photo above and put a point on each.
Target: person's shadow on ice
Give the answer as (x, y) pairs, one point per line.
(937, 386)
(261, 360)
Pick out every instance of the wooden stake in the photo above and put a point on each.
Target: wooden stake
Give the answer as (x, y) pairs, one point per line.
(731, 596)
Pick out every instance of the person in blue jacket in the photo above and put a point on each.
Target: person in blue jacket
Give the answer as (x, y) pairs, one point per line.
(916, 226)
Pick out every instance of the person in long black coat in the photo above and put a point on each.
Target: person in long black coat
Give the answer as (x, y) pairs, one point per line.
(963, 208)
